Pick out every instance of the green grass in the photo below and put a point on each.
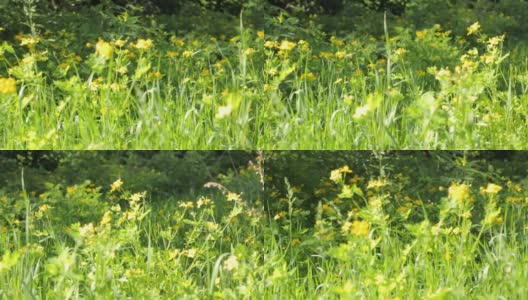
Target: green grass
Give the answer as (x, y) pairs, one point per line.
(408, 89)
(373, 241)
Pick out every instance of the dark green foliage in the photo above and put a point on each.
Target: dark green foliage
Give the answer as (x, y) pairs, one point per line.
(179, 172)
(160, 172)
(234, 6)
(496, 17)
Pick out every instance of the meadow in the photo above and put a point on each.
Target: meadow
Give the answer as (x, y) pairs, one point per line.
(133, 83)
(376, 237)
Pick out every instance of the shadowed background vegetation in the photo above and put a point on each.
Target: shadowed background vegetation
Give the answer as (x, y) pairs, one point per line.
(165, 173)
(497, 16)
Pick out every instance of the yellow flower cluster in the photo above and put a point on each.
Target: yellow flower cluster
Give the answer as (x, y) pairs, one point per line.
(286, 45)
(337, 42)
(87, 230)
(376, 184)
(224, 111)
(116, 185)
(29, 40)
(231, 263)
(143, 44)
(360, 228)
(309, 75)
(420, 35)
(336, 175)
(104, 49)
(459, 192)
(474, 28)
(233, 197)
(250, 51)
(107, 218)
(187, 204)
(491, 189)
(7, 85)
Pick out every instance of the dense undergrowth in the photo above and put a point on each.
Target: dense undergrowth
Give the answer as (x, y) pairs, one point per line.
(128, 82)
(363, 238)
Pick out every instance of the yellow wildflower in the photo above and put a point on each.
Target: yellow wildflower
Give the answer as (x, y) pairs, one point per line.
(345, 169)
(273, 71)
(188, 204)
(360, 228)
(116, 185)
(122, 70)
(136, 272)
(376, 184)
(401, 51)
(326, 55)
(212, 226)
(29, 60)
(115, 86)
(459, 192)
(341, 54)
(491, 189)
(420, 35)
(137, 197)
(286, 45)
(143, 44)
(496, 40)
(172, 54)
(514, 199)
(304, 45)
(224, 111)
(231, 263)
(361, 111)
(233, 197)
(155, 75)
(268, 87)
(107, 218)
(355, 179)
(474, 28)
(310, 76)
(346, 192)
(250, 51)
(7, 85)
(176, 41)
(44, 208)
(335, 175)
(190, 253)
(120, 43)
(203, 201)
(86, 230)
(269, 44)
(104, 49)
(29, 40)
(173, 254)
(260, 35)
(280, 215)
(337, 42)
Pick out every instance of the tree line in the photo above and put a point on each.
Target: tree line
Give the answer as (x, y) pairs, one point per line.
(234, 6)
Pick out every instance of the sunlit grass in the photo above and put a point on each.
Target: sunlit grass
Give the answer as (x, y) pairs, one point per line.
(410, 89)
